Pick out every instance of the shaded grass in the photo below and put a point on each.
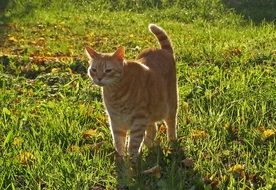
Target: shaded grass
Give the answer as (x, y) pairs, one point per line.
(226, 85)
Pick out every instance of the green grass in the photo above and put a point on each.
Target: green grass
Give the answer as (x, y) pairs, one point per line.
(226, 62)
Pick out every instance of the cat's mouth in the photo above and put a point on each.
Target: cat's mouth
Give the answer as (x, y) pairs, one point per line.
(103, 82)
(99, 83)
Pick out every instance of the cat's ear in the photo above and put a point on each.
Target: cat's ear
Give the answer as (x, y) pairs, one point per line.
(119, 53)
(91, 54)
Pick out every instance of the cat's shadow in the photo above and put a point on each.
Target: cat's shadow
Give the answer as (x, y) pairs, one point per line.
(159, 168)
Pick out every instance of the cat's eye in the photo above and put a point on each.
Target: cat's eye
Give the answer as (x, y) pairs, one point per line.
(94, 70)
(107, 70)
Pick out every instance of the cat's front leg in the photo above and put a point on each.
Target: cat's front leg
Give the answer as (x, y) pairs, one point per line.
(119, 137)
(136, 137)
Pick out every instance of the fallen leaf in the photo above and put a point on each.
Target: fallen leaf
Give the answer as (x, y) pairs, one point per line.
(199, 134)
(73, 149)
(213, 181)
(17, 141)
(188, 162)
(167, 150)
(89, 133)
(162, 129)
(13, 39)
(154, 171)
(236, 168)
(226, 126)
(268, 133)
(25, 157)
(55, 70)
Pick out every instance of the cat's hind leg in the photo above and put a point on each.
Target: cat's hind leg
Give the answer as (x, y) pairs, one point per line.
(150, 135)
(171, 127)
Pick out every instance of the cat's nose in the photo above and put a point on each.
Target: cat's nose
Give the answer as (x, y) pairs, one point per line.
(100, 78)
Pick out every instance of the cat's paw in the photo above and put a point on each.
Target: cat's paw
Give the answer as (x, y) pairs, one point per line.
(176, 151)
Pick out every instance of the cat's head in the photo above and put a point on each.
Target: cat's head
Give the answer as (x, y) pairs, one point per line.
(105, 69)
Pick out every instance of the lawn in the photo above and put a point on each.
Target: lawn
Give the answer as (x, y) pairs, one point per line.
(54, 132)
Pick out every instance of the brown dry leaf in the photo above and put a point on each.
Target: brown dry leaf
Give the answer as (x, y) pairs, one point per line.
(188, 162)
(25, 157)
(154, 171)
(212, 180)
(162, 129)
(89, 133)
(38, 41)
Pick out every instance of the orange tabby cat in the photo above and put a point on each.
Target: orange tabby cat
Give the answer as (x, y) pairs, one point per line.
(137, 93)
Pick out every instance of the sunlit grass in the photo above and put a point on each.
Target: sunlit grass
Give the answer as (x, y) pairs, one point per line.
(54, 132)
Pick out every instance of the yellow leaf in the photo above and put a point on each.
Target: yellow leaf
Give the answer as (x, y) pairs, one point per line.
(55, 70)
(131, 35)
(167, 150)
(89, 133)
(236, 168)
(13, 39)
(17, 141)
(226, 126)
(33, 42)
(268, 133)
(154, 171)
(198, 134)
(41, 39)
(25, 157)
(70, 71)
(73, 148)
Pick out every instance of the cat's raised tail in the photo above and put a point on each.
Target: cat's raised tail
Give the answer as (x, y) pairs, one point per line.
(162, 37)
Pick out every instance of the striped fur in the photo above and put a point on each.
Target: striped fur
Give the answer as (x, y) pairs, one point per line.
(137, 93)
(162, 37)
